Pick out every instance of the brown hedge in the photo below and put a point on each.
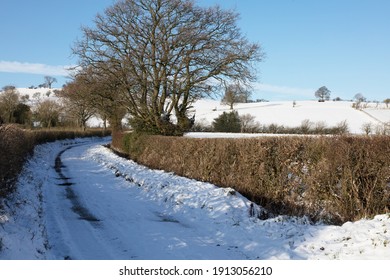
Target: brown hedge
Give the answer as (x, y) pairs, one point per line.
(335, 179)
(17, 144)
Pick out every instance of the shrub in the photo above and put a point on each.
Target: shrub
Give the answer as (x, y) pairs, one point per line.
(248, 124)
(17, 144)
(335, 179)
(227, 122)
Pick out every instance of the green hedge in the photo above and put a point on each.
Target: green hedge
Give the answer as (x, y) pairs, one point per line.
(334, 179)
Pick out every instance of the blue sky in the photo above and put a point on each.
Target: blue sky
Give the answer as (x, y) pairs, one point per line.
(341, 44)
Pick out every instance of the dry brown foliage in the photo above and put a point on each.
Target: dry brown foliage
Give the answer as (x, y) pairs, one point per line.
(17, 144)
(334, 179)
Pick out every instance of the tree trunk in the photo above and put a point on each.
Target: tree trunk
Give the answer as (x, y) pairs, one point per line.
(115, 124)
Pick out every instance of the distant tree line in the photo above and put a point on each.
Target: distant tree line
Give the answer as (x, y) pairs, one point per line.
(13, 109)
(42, 112)
(48, 82)
(85, 97)
(323, 94)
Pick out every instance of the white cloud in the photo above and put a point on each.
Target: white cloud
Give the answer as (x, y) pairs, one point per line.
(33, 68)
(304, 92)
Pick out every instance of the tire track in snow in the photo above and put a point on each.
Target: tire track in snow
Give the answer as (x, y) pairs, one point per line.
(77, 207)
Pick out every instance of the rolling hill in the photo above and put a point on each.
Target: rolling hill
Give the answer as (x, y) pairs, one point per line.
(330, 113)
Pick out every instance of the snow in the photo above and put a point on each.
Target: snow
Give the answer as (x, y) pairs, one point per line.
(77, 200)
(238, 135)
(330, 113)
(36, 95)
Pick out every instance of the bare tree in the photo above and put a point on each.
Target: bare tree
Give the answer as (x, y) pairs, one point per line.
(249, 124)
(235, 93)
(105, 95)
(47, 113)
(77, 96)
(323, 93)
(49, 81)
(165, 54)
(367, 128)
(9, 100)
(387, 102)
(359, 99)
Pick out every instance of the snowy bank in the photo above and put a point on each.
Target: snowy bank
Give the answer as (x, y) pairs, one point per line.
(147, 214)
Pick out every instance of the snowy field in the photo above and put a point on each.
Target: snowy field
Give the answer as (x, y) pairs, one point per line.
(78, 200)
(330, 113)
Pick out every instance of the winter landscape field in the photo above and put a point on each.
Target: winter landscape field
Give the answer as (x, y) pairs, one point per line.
(282, 113)
(76, 199)
(194, 139)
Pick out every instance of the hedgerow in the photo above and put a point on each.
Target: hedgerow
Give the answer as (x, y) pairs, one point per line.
(16, 145)
(329, 178)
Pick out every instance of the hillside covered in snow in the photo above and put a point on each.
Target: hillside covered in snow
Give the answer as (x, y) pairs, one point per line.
(329, 113)
(282, 113)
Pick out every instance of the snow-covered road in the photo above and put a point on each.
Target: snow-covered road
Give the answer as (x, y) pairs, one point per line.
(78, 200)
